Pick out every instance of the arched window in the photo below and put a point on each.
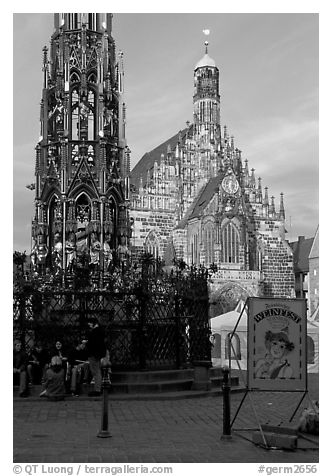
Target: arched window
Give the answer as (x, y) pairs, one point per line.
(310, 351)
(74, 77)
(209, 243)
(233, 350)
(152, 244)
(92, 78)
(216, 346)
(91, 122)
(75, 123)
(82, 114)
(83, 211)
(230, 244)
(54, 218)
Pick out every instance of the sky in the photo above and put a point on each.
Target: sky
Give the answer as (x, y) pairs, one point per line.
(269, 84)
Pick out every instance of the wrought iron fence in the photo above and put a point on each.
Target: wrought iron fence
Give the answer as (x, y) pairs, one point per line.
(152, 319)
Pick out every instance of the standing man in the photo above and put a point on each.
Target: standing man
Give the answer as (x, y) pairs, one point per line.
(96, 350)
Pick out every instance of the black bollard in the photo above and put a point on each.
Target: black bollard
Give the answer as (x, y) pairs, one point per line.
(104, 433)
(226, 388)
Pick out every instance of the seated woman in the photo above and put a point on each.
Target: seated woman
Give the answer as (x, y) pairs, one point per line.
(54, 385)
(59, 351)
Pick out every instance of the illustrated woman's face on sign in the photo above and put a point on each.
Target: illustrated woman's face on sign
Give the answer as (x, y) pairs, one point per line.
(278, 349)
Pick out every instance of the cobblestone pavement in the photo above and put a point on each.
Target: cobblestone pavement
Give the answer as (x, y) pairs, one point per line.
(173, 431)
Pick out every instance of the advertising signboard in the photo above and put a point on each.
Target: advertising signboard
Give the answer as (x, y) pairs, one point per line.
(277, 344)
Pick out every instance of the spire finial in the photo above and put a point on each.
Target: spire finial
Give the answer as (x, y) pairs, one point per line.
(282, 207)
(206, 43)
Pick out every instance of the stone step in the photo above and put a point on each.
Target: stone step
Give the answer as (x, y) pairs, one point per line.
(152, 376)
(152, 387)
(153, 382)
(127, 387)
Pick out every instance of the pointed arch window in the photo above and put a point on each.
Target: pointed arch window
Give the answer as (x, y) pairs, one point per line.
(75, 155)
(83, 211)
(92, 78)
(74, 77)
(111, 219)
(230, 244)
(91, 115)
(209, 243)
(54, 217)
(152, 244)
(75, 113)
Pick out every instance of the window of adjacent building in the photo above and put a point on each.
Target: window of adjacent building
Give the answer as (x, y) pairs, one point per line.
(234, 350)
(310, 351)
(230, 244)
(315, 272)
(315, 290)
(216, 346)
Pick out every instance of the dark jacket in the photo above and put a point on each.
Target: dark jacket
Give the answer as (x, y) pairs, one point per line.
(78, 355)
(41, 357)
(20, 360)
(96, 343)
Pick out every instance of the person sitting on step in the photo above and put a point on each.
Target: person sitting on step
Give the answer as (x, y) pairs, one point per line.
(20, 360)
(54, 385)
(38, 360)
(79, 366)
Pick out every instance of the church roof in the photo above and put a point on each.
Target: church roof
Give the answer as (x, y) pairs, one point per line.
(204, 197)
(301, 250)
(149, 158)
(314, 252)
(202, 200)
(206, 61)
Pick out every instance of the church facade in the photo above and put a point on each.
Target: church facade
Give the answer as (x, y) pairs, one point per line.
(194, 198)
(82, 159)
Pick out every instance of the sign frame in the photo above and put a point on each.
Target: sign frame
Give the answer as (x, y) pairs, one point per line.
(277, 344)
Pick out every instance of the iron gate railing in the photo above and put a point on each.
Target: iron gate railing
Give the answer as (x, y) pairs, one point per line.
(156, 321)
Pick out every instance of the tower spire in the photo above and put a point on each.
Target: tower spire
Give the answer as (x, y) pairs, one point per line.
(83, 140)
(282, 207)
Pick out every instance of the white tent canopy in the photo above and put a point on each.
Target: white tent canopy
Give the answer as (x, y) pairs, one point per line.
(224, 324)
